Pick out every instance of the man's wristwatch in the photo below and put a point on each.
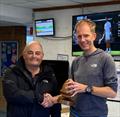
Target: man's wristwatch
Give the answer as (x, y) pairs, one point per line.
(89, 89)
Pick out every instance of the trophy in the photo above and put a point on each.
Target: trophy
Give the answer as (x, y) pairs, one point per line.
(65, 97)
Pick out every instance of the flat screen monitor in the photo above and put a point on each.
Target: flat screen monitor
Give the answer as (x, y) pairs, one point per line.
(112, 25)
(44, 27)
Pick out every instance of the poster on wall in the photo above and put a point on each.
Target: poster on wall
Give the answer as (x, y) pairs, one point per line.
(117, 98)
(8, 53)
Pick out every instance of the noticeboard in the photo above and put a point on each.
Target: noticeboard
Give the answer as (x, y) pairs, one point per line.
(8, 53)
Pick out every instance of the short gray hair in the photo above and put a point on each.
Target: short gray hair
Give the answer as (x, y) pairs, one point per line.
(30, 43)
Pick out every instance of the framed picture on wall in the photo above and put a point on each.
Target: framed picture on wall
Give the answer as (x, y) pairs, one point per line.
(117, 98)
(8, 53)
(63, 57)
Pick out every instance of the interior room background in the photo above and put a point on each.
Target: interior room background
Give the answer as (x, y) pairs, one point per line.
(62, 42)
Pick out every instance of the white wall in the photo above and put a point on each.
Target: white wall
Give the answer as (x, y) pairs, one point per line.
(113, 109)
(15, 14)
(63, 22)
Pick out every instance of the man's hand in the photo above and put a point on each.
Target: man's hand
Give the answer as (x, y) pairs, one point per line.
(76, 88)
(71, 88)
(47, 101)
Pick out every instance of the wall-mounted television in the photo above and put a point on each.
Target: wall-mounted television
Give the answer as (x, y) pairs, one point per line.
(44, 27)
(100, 19)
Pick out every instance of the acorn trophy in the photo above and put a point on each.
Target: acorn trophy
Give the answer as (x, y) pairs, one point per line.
(65, 97)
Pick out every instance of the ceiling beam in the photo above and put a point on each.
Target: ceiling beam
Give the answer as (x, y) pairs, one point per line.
(77, 6)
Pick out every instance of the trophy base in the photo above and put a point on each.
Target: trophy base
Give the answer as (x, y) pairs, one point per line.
(65, 101)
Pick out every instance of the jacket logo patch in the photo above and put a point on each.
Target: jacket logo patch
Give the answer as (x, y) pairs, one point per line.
(45, 81)
(94, 65)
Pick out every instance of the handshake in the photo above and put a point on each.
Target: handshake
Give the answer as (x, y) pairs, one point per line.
(66, 93)
(69, 89)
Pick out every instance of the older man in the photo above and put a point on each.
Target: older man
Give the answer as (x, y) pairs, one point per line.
(30, 87)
